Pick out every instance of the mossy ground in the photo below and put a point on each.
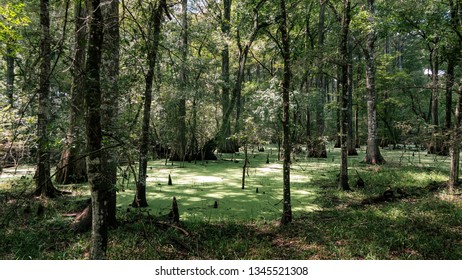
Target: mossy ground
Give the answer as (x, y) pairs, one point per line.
(328, 223)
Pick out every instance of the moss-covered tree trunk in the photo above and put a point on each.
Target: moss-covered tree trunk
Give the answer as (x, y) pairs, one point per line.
(99, 185)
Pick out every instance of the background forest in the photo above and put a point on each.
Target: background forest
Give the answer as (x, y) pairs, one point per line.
(207, 129)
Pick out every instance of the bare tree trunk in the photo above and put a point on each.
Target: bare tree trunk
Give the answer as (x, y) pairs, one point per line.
(373, 155)
(153, 45)
(100, 186)
(343, 106)
(110, 96)
(43, 183)
(287, 206)
(71, 168)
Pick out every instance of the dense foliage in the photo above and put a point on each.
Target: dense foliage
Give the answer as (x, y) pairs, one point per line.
(189, 81)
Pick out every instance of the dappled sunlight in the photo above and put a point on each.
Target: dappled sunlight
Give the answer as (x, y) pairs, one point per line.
(423, 177)
(198, 186)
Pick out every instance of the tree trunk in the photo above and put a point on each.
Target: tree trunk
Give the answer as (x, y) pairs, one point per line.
(454, 168)
(44, 186)
(180, 150)
(435, 69)
(225, 145)
(99, 185)
(351, 136)
(9, 57)
(373, 155)
(449, 86)
(110, 96)
(244, 167)
(287, 206)
(437, 145)
(71, 167)
(318, 147)
(154, 36)
(343, 106)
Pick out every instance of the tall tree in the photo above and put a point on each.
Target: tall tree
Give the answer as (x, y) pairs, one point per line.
(373, 155)
(318, 147)
(343, 104)
(100, 186)
(454, 168)
(225, 145)
(244, 49)
(287, 146)
(181, 103)
(351, 133)
(43, 183)
(71, 166)
(152, 45)
(110, 97)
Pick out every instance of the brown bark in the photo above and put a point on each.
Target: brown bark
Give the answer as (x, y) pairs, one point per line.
(287, 206)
